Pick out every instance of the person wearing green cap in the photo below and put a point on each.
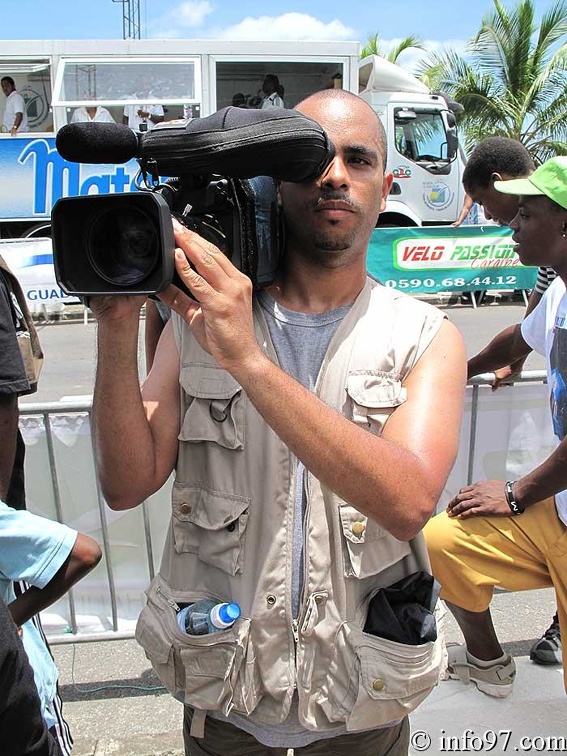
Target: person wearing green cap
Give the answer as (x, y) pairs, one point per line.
(502, 159)
(514, 533)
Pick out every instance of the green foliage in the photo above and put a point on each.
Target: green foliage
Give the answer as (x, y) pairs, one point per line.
(511, 80)
(373, 47)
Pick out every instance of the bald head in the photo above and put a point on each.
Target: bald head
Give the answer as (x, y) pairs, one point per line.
(334, 103)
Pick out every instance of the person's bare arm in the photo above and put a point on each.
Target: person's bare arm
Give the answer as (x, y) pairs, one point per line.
(17, 123)
(488, 497)
(396, 478)
(506, 373)
(153, 328)
(8, 434)
(135, 439)
(505, 349)
(83, 558)
(465, 210)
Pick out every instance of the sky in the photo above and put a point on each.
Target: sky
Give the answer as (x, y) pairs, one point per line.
(439, 23)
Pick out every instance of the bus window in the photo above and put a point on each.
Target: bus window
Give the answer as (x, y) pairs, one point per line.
(171, 87)
(244, 83)
(32, 79)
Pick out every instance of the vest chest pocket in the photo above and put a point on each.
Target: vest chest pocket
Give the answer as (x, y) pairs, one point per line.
(374, 395)
(215, 410)
(368, 548)
(210, 524)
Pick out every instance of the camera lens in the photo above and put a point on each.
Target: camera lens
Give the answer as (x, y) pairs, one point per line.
(122, 245)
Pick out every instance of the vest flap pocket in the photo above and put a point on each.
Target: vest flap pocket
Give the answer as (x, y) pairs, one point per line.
(210, 524)
(207, 382)
(375, 389)
(215, 410)
(395, 670)
(373, 681)
(205, 668)
(368, 548)
(152, 635)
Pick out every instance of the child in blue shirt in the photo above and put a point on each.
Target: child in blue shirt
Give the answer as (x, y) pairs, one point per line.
(50, 557)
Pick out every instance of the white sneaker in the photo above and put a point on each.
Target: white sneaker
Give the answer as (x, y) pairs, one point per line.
(496, 680)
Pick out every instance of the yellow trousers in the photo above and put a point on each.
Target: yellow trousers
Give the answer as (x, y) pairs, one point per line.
(469, 557)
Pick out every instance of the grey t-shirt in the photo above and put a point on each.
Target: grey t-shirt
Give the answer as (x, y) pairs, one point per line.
(301, 341)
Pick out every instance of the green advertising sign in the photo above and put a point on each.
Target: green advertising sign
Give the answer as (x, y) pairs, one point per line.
(442, 258)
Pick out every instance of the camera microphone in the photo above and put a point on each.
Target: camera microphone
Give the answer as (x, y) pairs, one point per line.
(97, 143)
(233, 142)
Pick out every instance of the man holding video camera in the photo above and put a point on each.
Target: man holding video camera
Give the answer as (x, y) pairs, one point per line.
(303, 424)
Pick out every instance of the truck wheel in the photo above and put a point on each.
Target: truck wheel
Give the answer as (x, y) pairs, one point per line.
(40, 229)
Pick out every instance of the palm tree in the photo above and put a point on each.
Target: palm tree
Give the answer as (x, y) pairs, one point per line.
(512, 81)
(373, 47)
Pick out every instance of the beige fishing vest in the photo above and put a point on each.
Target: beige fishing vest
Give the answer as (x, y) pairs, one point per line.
(231, 539)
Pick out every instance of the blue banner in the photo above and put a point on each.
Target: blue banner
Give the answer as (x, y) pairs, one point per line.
(35, 176)
(442, 258)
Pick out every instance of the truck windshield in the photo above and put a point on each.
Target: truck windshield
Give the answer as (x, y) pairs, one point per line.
(421, 136)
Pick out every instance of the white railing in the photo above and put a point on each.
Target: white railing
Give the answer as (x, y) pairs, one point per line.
(504, 435)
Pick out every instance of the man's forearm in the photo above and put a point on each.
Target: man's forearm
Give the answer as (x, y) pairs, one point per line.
(544, 481)
(121, 432)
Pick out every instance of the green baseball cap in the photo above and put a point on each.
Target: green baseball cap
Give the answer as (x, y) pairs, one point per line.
(550, 179)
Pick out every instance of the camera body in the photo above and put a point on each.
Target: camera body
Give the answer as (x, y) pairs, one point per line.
(225, 168)
(124, 242)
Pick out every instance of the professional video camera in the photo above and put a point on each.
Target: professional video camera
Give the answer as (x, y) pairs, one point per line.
(223, 187)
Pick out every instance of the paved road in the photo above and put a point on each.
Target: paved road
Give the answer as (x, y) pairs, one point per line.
(70, 345)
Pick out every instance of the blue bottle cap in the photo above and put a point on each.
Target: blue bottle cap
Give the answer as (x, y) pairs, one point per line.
(229, 613)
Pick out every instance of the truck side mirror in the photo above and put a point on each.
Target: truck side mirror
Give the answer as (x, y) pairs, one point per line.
(452, 143)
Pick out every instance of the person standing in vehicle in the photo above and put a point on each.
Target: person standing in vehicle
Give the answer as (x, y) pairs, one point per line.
(96, 114)
(15, 119)
(143, 117)
(273, 92)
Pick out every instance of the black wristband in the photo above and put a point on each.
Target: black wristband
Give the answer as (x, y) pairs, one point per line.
(512, 503)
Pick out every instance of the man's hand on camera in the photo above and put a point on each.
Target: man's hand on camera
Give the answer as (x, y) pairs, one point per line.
(221, 318)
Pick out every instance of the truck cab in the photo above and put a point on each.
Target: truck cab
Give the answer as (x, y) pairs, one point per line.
(423, 148)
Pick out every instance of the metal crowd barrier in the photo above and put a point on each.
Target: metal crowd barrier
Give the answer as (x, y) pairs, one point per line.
(153, 521)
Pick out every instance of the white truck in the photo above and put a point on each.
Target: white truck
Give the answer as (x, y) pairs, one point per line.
(192, 78)
(423, 147)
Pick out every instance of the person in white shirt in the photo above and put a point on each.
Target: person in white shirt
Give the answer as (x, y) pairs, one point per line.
(512, 534)
(273, 92)
(97, 114)
(14, 119)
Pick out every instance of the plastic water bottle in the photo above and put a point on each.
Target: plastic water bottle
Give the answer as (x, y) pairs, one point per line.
(207, 616)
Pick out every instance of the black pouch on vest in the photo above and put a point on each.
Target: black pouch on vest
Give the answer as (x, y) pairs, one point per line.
(403, 612)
